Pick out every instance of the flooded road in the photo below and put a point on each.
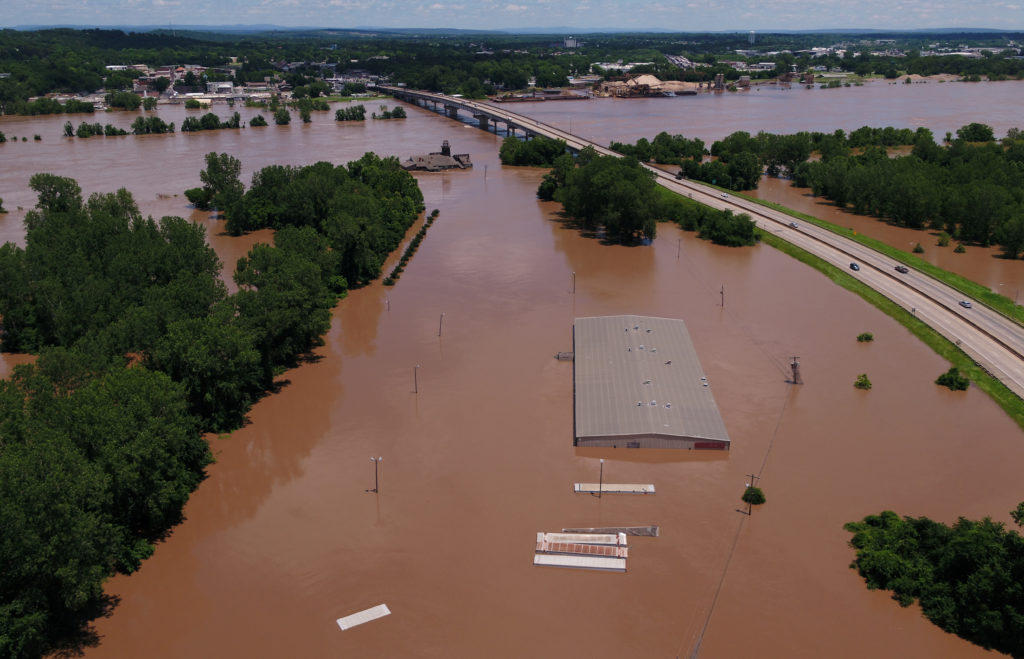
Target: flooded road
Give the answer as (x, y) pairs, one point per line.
(281, 538)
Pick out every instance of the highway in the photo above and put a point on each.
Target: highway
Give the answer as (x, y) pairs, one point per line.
(991, 339)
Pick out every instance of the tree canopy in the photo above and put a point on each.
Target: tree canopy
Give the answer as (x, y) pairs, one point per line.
(968, 577)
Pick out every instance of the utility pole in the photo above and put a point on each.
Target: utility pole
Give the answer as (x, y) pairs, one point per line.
(723, 295)
(376, 477)
(387, 301)
(600, 480)
(415, 379)
(753, 478)
(439, 322)
(795, 365)
(679, 247)
(573, 276)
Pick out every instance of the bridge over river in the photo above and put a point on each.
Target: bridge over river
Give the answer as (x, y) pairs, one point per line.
(994, 341)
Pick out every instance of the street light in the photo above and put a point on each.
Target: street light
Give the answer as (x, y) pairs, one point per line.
(376, 480)
(600, 481)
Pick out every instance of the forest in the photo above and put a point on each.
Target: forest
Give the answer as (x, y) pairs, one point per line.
(140, 350)
(968, 577)
(971, 187)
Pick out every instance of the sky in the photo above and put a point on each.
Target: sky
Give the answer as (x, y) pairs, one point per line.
(681, 15)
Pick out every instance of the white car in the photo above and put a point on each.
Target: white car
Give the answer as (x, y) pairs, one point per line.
(724, 196)
(965, 304)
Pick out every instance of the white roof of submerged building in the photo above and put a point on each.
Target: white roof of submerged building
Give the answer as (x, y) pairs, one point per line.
(639, 378)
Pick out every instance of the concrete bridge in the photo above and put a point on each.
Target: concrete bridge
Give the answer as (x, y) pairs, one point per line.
(994, 341)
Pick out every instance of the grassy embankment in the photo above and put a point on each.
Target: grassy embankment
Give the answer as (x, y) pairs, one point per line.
(1006, 399)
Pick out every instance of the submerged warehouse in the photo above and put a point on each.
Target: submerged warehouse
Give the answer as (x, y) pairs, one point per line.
(638, 383)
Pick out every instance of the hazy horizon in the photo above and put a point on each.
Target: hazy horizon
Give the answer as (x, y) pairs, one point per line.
(531, 15)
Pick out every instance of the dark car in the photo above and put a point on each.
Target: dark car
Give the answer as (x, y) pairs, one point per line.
(854, 266)
(792, 225)
(965, 304)
(902, 268)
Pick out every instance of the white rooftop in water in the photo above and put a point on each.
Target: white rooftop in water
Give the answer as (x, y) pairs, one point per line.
(348, 622)
(640, 376)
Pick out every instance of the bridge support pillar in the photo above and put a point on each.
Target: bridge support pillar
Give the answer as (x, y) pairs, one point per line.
(452, 111)
(483, 119)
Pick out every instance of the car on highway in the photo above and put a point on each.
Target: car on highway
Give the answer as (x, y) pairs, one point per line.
(724, 196)
(902, 268)
(854, 266)
(792, 225)
(965, 304)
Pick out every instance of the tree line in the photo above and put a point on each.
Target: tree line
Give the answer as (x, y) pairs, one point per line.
(741, 158)
(538, 151)
(973, 191)
(968, 577)
(141, 350)
(619, 197)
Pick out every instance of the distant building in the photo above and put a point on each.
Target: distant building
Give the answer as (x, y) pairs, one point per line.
(750, 37)
(438, 160)
(570, 42)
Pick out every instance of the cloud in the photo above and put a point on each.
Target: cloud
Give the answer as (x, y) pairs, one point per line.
(515, 8)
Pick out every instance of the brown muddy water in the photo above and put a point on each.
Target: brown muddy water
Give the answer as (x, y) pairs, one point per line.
(281, 538)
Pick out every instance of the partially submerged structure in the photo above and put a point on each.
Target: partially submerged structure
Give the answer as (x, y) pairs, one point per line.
(638, 383)
(438, 160)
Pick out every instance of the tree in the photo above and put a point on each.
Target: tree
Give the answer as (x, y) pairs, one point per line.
(161, 84)
(975, 132)
(612, 193)
(953, 380)
(753, 496)
(282, 116)
(149, 103)
(1018, 514)
(221, 183)
(862, 382)
(217, 364)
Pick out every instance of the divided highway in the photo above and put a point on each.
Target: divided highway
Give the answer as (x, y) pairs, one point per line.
(994, 341)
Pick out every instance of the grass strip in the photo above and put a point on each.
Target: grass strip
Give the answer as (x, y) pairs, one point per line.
(973, 289)
(1006, 399)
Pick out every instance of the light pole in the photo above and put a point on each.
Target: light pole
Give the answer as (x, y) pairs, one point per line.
(600, 480)
(376, 479)
(573, 276)
(415, 379)
(439, 321)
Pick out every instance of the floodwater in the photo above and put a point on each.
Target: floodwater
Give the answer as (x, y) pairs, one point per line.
(281, 538)
(940, 107)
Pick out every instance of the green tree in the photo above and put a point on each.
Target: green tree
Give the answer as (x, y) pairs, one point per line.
(753, 496)
(149, 103)
(282, 116)
(612, 193)
(862, 382)
(217, 364)
(161, 84)
(975, 132)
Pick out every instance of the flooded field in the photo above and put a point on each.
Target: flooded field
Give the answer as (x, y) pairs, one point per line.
(281, 538)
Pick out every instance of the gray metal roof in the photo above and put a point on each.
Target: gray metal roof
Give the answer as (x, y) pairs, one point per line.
(621, 361)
